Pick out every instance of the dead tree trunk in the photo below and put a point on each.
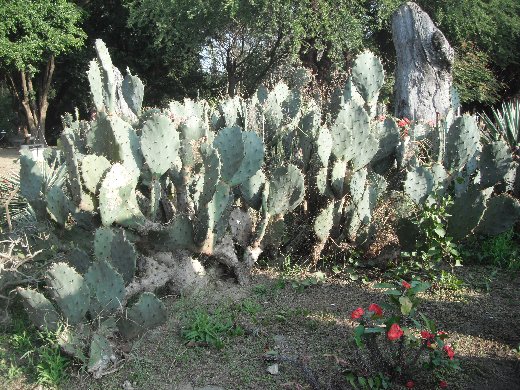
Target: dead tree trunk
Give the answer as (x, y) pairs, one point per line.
(423, 79)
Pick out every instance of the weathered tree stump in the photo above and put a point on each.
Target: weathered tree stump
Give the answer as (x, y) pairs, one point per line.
(423, 79)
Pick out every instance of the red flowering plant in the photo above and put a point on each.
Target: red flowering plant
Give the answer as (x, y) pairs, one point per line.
(413, 342)
(404, 126)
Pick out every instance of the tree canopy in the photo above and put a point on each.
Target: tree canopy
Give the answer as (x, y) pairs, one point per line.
(32, 31)
(210, 47)
(32, 34)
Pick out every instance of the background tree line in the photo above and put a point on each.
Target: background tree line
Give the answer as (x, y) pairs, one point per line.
(209, 48)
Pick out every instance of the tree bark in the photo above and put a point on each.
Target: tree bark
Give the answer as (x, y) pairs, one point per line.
(423, 79)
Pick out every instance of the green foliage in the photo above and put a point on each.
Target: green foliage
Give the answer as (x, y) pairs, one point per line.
(33, 30)
(51, 368)
(449, 281)
(7, 115)
(492, 25)
(35, 353)
(258, 36)
(504, 124)
(434, 246)
(376, 382)
(493, 28)
(211, 329)
(10, 191)
(473, 77)
(501, 251)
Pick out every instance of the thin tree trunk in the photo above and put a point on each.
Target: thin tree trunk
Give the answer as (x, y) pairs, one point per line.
(231, 70)
(44, 95)
(34, 103)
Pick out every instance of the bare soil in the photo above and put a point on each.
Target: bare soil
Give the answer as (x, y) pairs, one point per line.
(312, 328)
(8, 161)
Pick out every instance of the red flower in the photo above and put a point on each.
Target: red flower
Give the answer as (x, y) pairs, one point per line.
(443, 384)
(407, 121)
(427, 335)
(449, 351)
(401, 123)
(410, 384)
(376, 309)
(442, 334)
(395, 332)
(406, 284)
(358, 313)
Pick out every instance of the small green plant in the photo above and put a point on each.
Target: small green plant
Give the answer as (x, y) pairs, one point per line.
(501, 251)
(212, 329)
(413, 342)
(350, 266)
(449, 281)
(251, 307)
(435, 246)
(34, 352)
(505, 124)
(51, 369)
(375, 382)
(312, 280)
(260, 289)
(297, 277)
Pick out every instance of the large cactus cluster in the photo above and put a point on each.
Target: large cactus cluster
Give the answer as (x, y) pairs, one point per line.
(153, 191)
(149, 191)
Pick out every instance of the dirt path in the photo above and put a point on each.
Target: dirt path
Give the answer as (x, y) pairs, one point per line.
(8, 160)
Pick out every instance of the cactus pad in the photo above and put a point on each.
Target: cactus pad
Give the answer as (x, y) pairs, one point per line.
(461, 143)
(368, 76)
(69, 290)
(242, 154)
(495, 162)
(251, 190)
(117, 198)
(501, 214)
(107, 288)
(133, 92)
(39, 309)
(93, 168)
(323, 222)
(286, 190)
(113, 246)
(160, 143)
(100, 355)
(148, 312)
(58, 205)
(466, 212)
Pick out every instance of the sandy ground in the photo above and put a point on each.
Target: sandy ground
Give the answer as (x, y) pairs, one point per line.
(8, 160)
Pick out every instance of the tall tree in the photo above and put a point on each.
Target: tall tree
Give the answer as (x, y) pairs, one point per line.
(32, 34)
(243, 40)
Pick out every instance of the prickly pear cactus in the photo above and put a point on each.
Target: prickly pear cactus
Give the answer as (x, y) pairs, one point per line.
(107, 289)
(148, 312)
(40, 309)
(70, 292)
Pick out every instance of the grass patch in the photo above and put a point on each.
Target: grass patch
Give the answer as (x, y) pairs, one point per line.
(26, 352)
(502, 251)
(212, 329)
